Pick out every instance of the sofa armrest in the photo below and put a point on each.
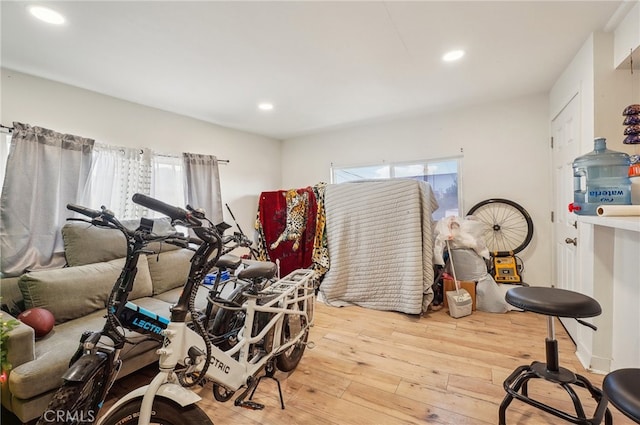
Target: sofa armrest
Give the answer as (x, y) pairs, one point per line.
(21, 344)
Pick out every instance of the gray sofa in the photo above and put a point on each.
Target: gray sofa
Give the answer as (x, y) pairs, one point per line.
(76, 296)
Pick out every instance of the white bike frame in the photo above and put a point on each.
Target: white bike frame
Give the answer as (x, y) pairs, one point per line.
(284, 298)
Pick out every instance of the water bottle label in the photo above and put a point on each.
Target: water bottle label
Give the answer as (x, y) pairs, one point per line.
(607, 195)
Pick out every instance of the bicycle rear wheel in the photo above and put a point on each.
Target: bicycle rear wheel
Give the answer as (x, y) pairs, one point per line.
(228, 321)
(292, 325)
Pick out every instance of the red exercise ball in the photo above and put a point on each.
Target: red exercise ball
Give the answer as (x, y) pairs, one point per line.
(39, 319)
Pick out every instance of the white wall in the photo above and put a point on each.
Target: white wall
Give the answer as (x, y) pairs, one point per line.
(505, 149)
(577, 77)
(605, 92)
(254, 160)
(615, 89)
(627, 36)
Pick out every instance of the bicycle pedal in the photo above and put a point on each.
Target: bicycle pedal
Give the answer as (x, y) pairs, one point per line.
(252, 405)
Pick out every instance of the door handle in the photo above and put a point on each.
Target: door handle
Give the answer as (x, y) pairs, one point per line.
(573, 241)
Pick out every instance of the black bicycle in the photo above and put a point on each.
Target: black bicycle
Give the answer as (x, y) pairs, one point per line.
(95, 365)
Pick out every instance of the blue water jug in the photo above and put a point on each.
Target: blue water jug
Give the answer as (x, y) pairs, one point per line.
(600, 177)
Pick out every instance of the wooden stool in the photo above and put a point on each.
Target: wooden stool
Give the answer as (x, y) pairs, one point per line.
(554, 302)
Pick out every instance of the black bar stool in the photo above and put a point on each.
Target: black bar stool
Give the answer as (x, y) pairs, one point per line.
(554, 302)
(622, 388)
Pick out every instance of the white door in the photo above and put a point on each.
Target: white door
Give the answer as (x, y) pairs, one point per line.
(565, 130)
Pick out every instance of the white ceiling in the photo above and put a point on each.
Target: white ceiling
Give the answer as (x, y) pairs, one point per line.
(323, 64)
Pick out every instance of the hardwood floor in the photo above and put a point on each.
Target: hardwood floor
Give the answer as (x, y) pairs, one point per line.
(375, 367)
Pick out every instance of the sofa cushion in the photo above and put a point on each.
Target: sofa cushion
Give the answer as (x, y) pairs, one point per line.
(73, 292)
(169, 269)
(53, 352)
(87, 244)
(11, 295)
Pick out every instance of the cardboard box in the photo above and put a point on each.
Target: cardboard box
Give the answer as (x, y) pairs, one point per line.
(470, 287)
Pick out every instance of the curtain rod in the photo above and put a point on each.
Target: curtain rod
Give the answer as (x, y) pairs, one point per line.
(168, 155)
(5, 129)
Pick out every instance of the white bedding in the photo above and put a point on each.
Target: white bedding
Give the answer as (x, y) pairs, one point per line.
(380, 241)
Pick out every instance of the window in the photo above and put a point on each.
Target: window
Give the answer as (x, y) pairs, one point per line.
(167, 181)
(117, 173)
(341, 175)
(104, 175)
(441, 174)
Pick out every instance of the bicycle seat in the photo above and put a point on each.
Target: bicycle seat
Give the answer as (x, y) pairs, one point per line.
(254, 269)
(228, 261)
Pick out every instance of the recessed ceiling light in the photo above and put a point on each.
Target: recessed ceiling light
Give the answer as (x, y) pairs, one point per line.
(453, 55)
(265, 106)
(47, 15)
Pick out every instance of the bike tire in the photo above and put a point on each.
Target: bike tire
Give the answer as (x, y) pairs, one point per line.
(164, 412)
(291, 325)
(230, 322)
(222, 394)
(75, 402)
(226, 320)
(508, 227)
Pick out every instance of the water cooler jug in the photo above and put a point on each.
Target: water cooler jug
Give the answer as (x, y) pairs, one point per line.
(600, 177)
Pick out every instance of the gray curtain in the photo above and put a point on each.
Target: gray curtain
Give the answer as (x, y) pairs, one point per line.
(202, 182)
(45, 171)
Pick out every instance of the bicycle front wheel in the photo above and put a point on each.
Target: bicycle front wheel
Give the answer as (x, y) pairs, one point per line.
(75, 402)
(164, 412)
(507, 226)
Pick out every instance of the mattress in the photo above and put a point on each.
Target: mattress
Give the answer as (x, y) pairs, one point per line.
(380, 243)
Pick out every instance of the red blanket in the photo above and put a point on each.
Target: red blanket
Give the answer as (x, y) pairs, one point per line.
(272, 217)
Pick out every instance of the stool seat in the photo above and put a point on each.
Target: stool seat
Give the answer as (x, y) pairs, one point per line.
(553, 302)
(622, 388)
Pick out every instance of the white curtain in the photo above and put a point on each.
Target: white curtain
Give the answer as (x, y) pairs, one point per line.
(5, 144)
(202, 184)
(116, 174)
(45, 171)
(167, 180)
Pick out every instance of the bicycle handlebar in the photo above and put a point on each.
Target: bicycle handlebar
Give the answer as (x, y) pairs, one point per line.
(174, 213)
(84, 210)
(105, 218)
(102, 217)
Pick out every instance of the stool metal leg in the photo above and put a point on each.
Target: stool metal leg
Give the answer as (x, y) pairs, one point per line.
(597, 395)
(577, 404)
(519, 377)
(516, 386)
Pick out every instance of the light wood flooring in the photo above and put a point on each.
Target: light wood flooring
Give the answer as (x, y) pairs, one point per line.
(376, 367)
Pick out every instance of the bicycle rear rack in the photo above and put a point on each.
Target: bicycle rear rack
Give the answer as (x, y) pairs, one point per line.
(298, 278)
